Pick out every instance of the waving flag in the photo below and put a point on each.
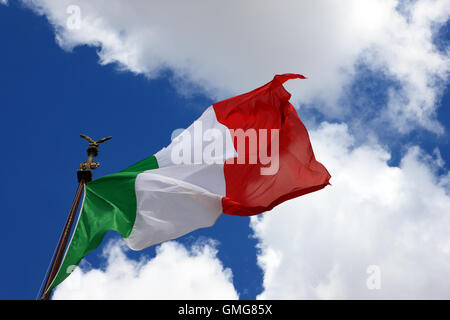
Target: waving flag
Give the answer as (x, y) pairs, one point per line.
(243, 156)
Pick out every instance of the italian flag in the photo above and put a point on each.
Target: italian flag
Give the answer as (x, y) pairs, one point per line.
(243, 156)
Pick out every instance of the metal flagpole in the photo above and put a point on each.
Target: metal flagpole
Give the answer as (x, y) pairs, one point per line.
(84, 175)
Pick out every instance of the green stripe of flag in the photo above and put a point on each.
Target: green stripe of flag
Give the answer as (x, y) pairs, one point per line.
(109, 204)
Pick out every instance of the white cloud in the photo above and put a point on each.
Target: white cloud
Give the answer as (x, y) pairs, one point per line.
(230, 48)
(4, 2)
(320, 245)
(174, 273)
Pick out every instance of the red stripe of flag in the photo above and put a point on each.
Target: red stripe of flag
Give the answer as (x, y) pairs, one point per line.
(248, 192)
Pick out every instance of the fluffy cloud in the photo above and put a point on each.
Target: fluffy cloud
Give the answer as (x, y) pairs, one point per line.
(322, 245)
(227, 49)
(174, 273)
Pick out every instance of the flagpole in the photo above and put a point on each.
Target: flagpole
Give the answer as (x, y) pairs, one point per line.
(63, 241)
(84, 175)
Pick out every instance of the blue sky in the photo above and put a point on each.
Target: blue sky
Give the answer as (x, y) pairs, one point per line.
(48, 96)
